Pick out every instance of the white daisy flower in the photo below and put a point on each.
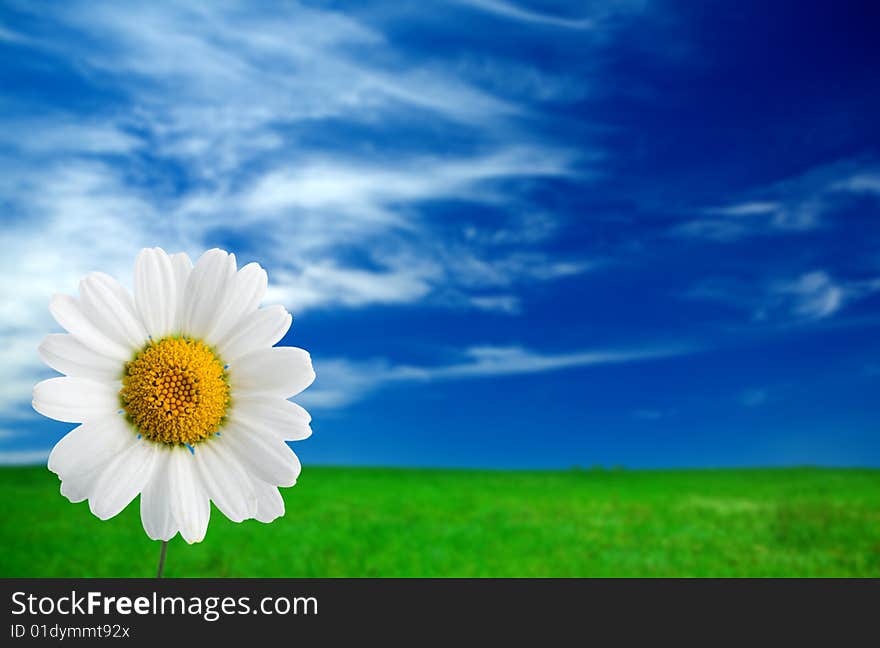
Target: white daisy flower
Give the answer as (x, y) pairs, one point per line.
(180, 393)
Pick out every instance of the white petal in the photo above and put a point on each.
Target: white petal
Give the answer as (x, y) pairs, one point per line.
(258, 330)
(284, 371)
(111, 309)
(206, 292)
(79, 486)
(122, 479)
(270, 504)
(266, 457)
(246, 291)
(68, 312)
(189, 503)
(156, 515)
(155, 291)
(225, 481)
(182, 267)
(67, 355)
(75, 400)
(91, 445)
(287, 420)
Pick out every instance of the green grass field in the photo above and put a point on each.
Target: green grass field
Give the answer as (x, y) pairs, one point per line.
(389, 522)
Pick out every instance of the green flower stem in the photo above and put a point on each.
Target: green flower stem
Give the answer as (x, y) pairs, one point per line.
(162, 559)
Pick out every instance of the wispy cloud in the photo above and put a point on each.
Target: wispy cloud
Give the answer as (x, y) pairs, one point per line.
(209, 135)
(799, 204)
(198, 68)
(863, 182)
(740, 220)
(367, 187)
(341, 382)
(58, 135)
(11, 36)
(516, 12)
(502, 303)
(323, 283)
(811, 296)
(23, 457)
(745, 209)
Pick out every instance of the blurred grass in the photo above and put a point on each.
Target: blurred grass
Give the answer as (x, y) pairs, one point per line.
(403, 522)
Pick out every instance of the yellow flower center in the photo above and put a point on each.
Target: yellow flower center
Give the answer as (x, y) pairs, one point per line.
(175, 391)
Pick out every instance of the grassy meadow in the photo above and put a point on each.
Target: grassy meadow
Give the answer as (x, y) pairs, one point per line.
(407, 522)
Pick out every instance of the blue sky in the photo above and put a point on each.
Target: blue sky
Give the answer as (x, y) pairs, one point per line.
(511, 234)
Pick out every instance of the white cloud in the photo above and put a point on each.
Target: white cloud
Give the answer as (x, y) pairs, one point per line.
(739, 220)
(502, 303)
(813, 295)
(60, 134)
(745, 209)
(342, 382)
(798, 204)
(498, 361)
(370, 189)
(209, 131)
(10, 36)
(866, 182)
(79, 218)
(89, 219)
(23, 457)
(325, 284)
(223, 72)
(518, 13)
(312, 209)
(808, 297)
(528, 228)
